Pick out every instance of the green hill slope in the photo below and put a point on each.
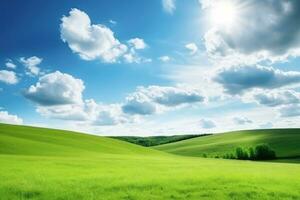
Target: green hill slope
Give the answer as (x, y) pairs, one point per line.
(286, 143)
(24, 140)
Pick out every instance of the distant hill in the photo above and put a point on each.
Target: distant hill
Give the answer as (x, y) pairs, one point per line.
(156, 140)
(285, 142)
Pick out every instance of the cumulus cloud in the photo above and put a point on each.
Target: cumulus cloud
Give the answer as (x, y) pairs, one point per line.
(8, 77)
(59, 96)
(31, 65)
(10, 64)
(275, 38)
(56, 89)
(242, 120)
(137, 43)
(237, 79)
(164, 58)
(150, 100)
(277, 98)
(207, 124)
(5, 117)
(169, 6)
(192, 47)
(96, 41)
(90, 41)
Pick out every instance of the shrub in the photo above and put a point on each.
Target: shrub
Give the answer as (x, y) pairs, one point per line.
(264, 152)
(229, 156)
(241, 153)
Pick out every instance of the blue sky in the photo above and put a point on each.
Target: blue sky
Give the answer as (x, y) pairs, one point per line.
(150, 67)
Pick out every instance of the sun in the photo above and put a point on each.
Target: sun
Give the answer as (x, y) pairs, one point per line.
(223, 13)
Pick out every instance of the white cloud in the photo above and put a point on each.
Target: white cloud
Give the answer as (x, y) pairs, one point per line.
(72, 112)
(154, 99)
(56, 89)
(192, 47)
(137, 43)
(96, 41)
(90, 41)
(108, 115)
(275, 38)
(164, 58)
(169, 6)
(31, 65)
(113, 22)
(88, 112)
(5, 117)
(59, 96)
(8, 77)
(131, 55)
(207, 124)
(10, 64)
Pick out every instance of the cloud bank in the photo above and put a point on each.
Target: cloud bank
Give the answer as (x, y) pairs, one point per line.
(238, 79)
(153, 99)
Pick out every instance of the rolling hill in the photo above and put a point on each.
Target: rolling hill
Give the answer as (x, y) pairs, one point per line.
(47, 164)
(286, 143)
(25, 140)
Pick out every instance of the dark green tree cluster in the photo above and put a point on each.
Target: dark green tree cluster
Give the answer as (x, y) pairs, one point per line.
(260, 152)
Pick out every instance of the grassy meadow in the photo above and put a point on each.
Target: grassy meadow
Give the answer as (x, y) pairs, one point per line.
(39, 163)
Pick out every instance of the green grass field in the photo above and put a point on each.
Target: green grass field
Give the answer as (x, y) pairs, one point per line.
(48, 164)
(286, 143)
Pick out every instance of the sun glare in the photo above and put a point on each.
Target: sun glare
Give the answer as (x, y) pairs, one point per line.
(223, 13)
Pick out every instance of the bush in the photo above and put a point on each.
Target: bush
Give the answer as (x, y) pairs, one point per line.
(241, 154)
(264, 152)
(229, 156)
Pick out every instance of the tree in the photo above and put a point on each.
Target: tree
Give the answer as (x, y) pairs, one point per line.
(241, 153)
(251, 153)
(264, 152)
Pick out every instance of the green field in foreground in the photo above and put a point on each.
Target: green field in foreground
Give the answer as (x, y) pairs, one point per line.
(47, 164)
(285, 142)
